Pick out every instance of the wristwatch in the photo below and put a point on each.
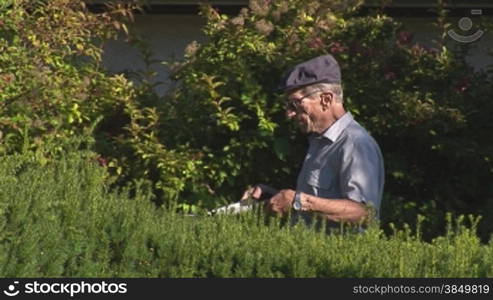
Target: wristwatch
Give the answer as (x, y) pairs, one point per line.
(297, 201)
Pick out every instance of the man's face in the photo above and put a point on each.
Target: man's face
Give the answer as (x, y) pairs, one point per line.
(304, 109)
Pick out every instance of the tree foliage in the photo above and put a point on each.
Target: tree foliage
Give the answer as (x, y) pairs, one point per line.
(51, 81)
(53, 87)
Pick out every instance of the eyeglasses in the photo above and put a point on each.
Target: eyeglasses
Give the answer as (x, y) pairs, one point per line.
(294, 104)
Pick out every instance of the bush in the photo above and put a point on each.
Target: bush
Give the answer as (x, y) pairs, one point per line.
(53, 88)
(425, 106)
(64, 222)
(51, 81)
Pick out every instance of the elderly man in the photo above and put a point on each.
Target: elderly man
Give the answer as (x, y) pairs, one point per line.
(343, 173)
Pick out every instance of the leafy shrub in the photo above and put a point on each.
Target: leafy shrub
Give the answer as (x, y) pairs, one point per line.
(425, 106)
(64, 222)
(53, 88)
(51, 82)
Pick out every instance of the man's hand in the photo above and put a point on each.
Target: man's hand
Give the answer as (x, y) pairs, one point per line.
(258, 192)
(281, 203)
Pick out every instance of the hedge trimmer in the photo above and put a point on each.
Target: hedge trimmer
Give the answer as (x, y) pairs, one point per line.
(247, 202)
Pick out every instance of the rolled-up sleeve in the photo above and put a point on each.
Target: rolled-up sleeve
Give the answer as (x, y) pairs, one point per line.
(361, 173)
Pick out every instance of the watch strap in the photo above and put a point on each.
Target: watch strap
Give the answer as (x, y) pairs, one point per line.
(297, 201)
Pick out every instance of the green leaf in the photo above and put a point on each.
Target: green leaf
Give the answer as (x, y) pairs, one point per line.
(281, 148)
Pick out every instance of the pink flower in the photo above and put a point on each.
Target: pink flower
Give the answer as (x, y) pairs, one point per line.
(316, 43)
(462, 86)
(102, 162)
(264, 27)
(431, 50)
(390, 75)
(404, 37)
(337, 48)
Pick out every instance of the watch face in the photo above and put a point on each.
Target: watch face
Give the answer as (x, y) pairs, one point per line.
(297, 205)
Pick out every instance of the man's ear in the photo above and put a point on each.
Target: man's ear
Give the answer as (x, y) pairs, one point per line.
(326, 99)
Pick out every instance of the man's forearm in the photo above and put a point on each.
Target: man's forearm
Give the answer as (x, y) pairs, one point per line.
(337, 210)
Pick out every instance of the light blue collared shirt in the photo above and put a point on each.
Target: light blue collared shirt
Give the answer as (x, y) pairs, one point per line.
(345, 162)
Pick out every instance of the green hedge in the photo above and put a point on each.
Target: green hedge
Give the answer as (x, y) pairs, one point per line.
(59, 219)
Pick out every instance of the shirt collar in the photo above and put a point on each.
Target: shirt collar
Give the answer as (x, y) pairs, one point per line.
(335, 130)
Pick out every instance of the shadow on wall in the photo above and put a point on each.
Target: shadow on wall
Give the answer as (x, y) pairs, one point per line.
(167, 35)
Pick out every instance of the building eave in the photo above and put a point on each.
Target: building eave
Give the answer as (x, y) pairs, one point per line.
(395, 8)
